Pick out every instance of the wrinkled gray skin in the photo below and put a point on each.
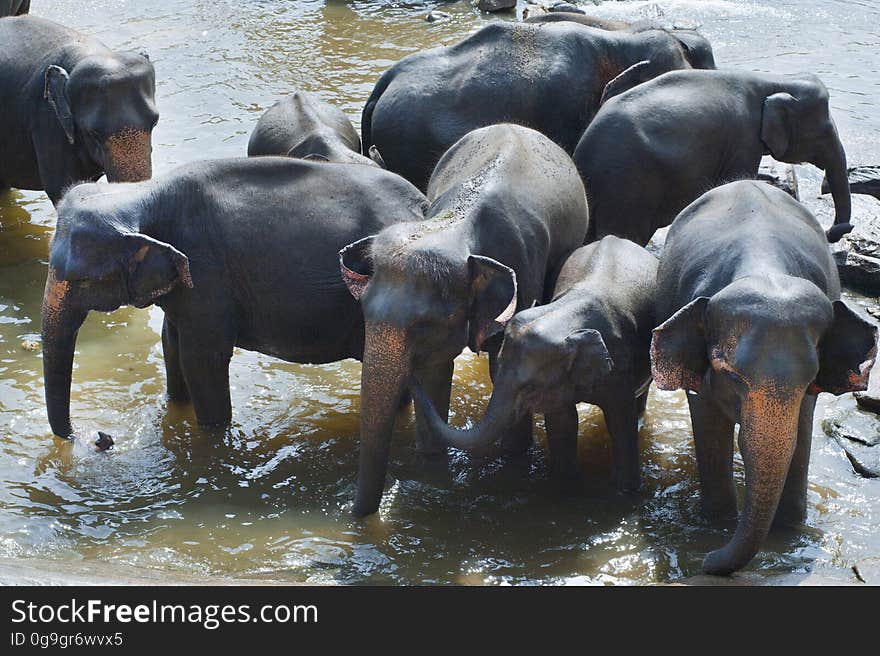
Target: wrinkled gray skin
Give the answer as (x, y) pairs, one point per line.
(304, 126)
(492, 243)
(589, 344)
(688, 131)
(547, 76)
(14, 7)
(71, 109)
(754, 329)
(237, 253)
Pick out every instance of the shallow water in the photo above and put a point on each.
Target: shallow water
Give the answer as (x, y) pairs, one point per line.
(271, 497)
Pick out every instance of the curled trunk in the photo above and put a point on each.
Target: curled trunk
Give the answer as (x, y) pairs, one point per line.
(767, 439)
(383, 377)
(61, 320)
(499, 416)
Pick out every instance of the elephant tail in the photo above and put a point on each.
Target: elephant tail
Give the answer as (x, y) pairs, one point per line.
(367, 114)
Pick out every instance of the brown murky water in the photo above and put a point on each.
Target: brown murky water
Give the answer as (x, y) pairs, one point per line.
(271, 498)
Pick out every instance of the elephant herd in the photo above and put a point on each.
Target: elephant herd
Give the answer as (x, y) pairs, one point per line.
(499, 199)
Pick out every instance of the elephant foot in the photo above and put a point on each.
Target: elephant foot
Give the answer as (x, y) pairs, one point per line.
(836, 232)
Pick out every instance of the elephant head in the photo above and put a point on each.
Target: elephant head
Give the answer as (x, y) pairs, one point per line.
(543, 366)
(96, 262)
(421, 305)
(757, 347)
(696, 47)
(106, 108)
(796, 127)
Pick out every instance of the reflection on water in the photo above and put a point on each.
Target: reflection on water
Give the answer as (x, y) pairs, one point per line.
(270, 496)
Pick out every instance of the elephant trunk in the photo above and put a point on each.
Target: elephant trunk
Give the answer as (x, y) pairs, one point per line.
(61, 320)
(767, 439)
(128, 156)
(498, 416)
(385, 371)
(835, 170)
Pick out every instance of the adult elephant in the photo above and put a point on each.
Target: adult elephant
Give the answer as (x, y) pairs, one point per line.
(655, 148)
(491, 244)
(71, 109)
(754, 329)
(14, 7)
(549, 77)
(239, 252)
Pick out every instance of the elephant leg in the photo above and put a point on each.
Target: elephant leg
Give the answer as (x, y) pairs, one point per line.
(713, 442)
(436, 380)
(177, 390)
(562, 436)
(792, 509)
(622, 420)
(204, 360)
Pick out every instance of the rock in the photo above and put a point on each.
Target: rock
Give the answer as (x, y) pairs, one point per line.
(867, 570)
(858, 433)
(533, 11)
(104, 441)
(870, 399)
(858, 253)
(30, 345)
(435, 16)
(779, 175)
(566, 6)
(496, 5)
(862, 180)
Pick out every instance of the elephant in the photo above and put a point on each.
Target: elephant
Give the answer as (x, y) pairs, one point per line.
(71, 109)
(655, 148)
(302, 125)
(699, 52)
(491, 243)
(237, 252)
(590, 344)
(14, 7)
(754, 329)
(549, 77)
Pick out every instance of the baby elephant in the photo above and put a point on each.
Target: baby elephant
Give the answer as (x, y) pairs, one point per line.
(304, 126)
(591, 344)
(754, 329)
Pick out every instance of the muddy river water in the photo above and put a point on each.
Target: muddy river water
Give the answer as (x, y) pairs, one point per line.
(271, 497)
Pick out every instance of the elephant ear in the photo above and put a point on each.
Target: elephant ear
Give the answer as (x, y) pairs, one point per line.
(587, 354)
(55, 92)
(493, 299)
(777, 123)
(356, 264)
(629, 78)
(154, 269)
(847, 353)
(678, 348)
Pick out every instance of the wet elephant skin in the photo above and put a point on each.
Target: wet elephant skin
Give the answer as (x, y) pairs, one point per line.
(239, 252)
(71, 109)
(754, 328)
